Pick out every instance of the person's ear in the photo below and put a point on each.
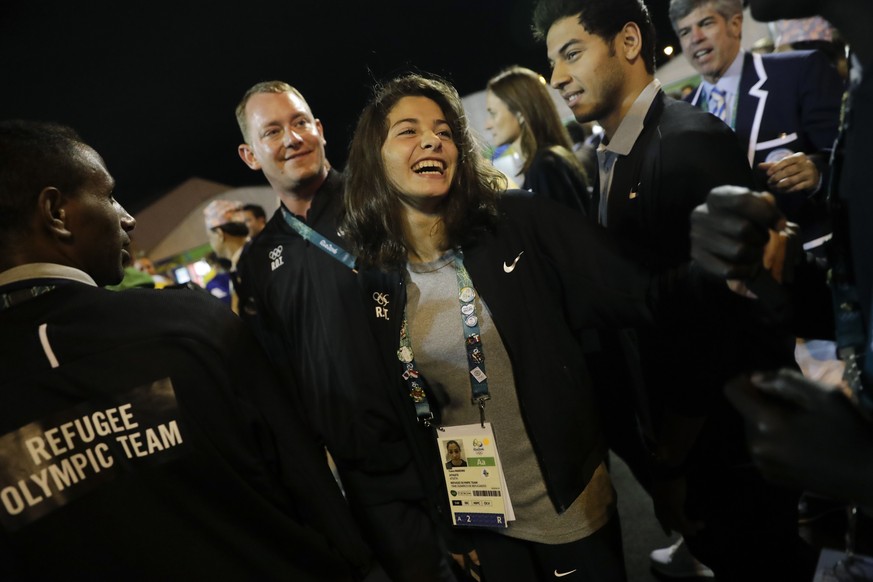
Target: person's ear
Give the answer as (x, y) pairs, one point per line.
(520, 118)
(53, 212)
(735, 25)
(248, 156)
(320, 129)
(630, 41)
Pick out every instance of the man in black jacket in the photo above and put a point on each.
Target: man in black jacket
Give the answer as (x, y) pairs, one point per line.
(658, 160)
(143, 434)
(300, 293)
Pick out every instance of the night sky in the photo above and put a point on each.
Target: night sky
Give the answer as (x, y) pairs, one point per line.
(152, 86)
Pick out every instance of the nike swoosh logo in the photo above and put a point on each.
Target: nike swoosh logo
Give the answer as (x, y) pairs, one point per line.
(511, 268)
(562, 574)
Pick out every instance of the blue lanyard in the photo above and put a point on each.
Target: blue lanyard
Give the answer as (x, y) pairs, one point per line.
(472, 345)
(411, 375)
(472, 337)
(854, 346)
(312, 236)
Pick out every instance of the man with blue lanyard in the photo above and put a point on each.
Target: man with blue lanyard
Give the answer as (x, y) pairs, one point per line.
(299, 291)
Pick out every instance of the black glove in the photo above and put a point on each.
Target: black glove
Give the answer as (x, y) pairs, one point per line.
(730, 231)
(806, 434)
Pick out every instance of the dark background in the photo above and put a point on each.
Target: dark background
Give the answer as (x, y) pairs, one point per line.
(153, 86)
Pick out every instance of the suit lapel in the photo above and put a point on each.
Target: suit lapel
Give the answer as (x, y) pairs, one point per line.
(698, 96)
(625, 190)
(595, 194)
(625, 187)
(752, 101)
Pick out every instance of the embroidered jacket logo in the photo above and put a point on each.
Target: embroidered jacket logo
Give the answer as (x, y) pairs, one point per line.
(382, 301)
(276, 258)
(507, 268)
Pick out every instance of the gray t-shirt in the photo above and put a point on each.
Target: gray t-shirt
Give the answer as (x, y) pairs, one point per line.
(437, 335)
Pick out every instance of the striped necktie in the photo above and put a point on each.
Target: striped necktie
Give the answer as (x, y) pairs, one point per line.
(718, 103)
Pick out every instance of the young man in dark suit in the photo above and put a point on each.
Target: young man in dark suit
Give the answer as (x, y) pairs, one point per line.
(784, 107)
(658, 160)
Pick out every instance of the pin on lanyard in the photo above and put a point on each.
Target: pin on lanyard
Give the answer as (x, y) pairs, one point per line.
(412, 377)
(472, 337)
(314, 237)
(472, 345)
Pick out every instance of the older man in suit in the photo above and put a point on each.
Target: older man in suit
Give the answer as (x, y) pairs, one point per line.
(784, 107)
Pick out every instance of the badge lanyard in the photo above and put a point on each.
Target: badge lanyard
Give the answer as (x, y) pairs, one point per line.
(472, 345)
(312, 236)
(853, 345)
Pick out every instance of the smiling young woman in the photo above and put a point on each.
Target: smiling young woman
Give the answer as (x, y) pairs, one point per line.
(480, 296)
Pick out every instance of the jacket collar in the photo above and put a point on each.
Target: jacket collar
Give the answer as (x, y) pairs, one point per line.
(634, 121)
(44, 271)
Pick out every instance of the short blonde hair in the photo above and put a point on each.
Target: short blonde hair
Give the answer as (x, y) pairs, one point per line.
(262, 87)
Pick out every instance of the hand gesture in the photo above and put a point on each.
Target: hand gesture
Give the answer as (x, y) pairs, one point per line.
(730, 232)
(793, 173)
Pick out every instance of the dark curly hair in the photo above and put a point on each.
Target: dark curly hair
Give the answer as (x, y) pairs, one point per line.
(373, 215)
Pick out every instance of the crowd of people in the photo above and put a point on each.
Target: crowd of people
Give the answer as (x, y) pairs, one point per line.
(427, 363)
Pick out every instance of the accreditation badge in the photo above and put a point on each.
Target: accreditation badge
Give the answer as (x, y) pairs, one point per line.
(477, 490)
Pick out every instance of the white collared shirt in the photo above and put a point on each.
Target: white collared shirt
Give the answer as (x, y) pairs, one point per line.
(622, 142)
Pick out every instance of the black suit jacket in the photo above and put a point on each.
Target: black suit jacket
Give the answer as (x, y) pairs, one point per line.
(679, 157)
(553, 176)
(681, 154)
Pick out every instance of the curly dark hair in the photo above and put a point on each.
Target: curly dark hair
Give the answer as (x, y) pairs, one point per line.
(373, 215)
